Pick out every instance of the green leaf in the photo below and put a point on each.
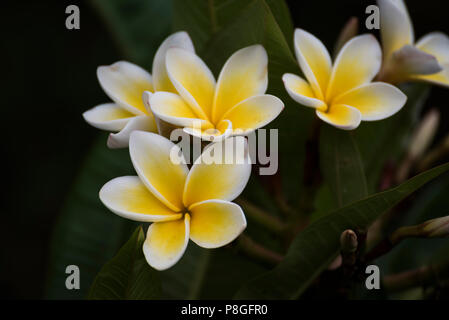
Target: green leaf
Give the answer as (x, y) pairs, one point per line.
(127, 276)
(86, 233)
(386, 140)
(138, 27)
(203, 19)
(342, 165)
(316, 246)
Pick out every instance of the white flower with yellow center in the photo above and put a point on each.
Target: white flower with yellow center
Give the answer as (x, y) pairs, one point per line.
(342, 94)
(125, 83)
(427, 59)
(212, 110)
(182, 204)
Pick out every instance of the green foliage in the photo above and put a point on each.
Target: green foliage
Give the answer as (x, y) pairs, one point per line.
(351, 163)
(316, 246)
(127, 276)
(341, 165)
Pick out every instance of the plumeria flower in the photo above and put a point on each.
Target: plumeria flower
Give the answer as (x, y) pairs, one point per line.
(182, 204)
(342, 94)
(211, 110)
(125, 83)
(404, 60)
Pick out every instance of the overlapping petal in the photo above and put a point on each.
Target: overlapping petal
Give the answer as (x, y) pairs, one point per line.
(243, 75)
(254, 112)
(218, 133)
(396, 26)
(356, 64)
(314, 60)
(151, 157)
(341, 116)
(121, 139)
(124, 83)
(129, 198)
(172, 108)
(192, 79)
(215, 223)
(166, 242)
(108, 116)
(436, 44)
(300, 91)
(161, 81)
(375, 101)
(224, 180)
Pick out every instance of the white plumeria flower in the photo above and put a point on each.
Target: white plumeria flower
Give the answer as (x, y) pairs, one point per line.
(235, 104)
(125, 83)
(182, 204)
(342, 94)
(427, 59)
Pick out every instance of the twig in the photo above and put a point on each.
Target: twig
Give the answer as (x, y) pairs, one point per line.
(257, 251)
(264, 218)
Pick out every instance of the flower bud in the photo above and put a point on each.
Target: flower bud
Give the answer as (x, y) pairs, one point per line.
(348, 241)
(437, 228)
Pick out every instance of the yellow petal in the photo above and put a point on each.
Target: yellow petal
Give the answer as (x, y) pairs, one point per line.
(129, 198)
(441, 78)
(341, 116)
(124, 83)
(395, 26)
(254, 112)
(216, 134)
(171, 108)
(243, 75)
(375, 101)
(357, 63)
(166, 242)
(314, 60)
(192, 79)
(300, 91)
(151, 157)
(107, 116)
(160, 77)
(224, 180)
(215, 223)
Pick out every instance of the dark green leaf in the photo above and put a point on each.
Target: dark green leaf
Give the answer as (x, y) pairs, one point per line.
(127, 275)
(342, 165)
(316, 246)
(386, 140)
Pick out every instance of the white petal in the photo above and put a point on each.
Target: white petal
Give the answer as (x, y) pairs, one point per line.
(375, 101)
(341, 116)
(121, 139)
(254, 112)
(225, 178)
(151, 155)
(192, 79)
(243, 75)
(129, 198)
(215, 223)
(395, 26)
(166, 242)
(124, 82)
(314, 60)
(300, 91)
(222, 131)
(411, 60)
(357, 63)
(171, 108)
(107, 116)
(161, 80)
(436, 44)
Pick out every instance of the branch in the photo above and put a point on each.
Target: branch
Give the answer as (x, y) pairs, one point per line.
(264, 218)
(257, 251)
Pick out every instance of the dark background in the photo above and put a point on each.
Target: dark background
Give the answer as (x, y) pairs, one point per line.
(49, 80)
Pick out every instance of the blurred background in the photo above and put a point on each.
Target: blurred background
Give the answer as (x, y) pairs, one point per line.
(50, 79)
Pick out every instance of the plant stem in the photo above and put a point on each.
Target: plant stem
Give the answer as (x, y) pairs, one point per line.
(422, 276)
(259, 215)
(257, 251)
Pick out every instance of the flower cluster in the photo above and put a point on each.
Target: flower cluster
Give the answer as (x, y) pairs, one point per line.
(195, 203)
